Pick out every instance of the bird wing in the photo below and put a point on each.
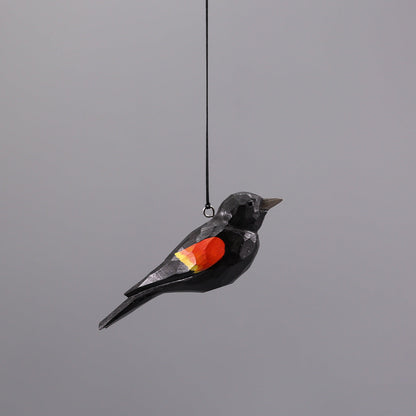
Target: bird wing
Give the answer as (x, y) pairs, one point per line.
(183, 262)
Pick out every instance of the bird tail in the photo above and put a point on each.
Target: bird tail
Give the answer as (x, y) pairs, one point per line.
(128, 306)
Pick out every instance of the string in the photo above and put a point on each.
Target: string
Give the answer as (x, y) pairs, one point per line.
(208, 209)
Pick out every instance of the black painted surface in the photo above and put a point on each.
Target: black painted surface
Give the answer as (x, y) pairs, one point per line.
(238, 219)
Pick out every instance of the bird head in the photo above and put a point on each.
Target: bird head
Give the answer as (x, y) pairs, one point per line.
(246, 210)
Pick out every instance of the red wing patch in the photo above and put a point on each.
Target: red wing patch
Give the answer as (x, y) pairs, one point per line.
(202, 255)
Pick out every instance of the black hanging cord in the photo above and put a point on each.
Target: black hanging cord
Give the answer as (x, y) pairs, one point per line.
(208, 209)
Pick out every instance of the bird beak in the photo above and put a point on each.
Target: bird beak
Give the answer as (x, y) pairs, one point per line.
(266, 204)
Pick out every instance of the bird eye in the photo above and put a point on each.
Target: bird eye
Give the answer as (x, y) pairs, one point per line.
(250, 203)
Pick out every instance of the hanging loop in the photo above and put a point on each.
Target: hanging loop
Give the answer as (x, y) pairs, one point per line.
(208, 211)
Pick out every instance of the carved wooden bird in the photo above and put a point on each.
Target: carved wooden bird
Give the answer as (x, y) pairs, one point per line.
(213, 255)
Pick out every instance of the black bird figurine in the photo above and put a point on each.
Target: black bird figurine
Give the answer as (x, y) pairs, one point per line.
(213, 255)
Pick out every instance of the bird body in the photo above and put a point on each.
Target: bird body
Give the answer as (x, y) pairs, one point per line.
(213, 255)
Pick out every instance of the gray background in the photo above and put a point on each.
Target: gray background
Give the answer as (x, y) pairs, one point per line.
(102, 115)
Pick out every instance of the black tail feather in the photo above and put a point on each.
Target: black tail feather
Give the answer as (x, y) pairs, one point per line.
(128, 306)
